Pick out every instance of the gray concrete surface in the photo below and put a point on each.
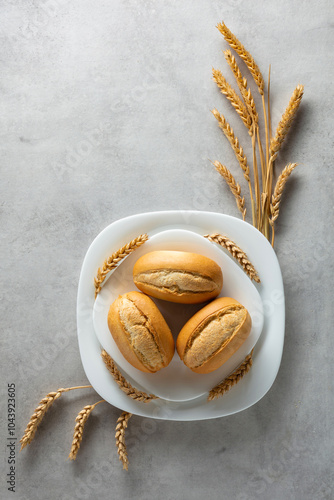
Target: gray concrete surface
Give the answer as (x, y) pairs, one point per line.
(105, 112)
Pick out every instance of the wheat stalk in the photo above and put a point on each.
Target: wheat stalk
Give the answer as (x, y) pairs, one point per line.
(242, 85)
(264, 197)
(235, 44)
(254, 70)
(78, 429)
(276, 142)
(236, 252)
(234, 187)
(238, 151)
(251, 108)
(261, 208)
(112, 261)
(229, 382)
(233, 97)
(38, 415)
(122, 423)
(123, 384)
(276, 198)
(286, 121)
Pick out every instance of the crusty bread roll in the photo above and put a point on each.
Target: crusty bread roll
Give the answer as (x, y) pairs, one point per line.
(183, 277)
(140, 332)
(213, 334)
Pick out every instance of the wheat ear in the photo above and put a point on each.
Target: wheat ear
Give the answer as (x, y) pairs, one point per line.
(235, 44)
(255, 72)
(38, 415)
(251, 108)
(237, 253)
(225, 386)
(233, 97)
(122, 424)
(242, 85)
(238, 151)
(286, 121)
(78, 429)
(115, 258)
(123, 384)
(234, 186)
(276, 198)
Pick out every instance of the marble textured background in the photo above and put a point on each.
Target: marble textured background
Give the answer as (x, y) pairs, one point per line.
(105, 112)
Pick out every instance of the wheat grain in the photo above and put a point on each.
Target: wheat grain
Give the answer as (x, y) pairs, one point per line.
(233, 97)
(244, 54)
(40, 412)
(78, 429)
(233, 185)
(236, 252)
(234, 378)
(123, 384)
(286, 121)
(122, 424)
(112, 261)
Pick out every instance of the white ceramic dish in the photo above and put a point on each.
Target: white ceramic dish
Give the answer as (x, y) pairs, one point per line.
(178, 229)
(176, 382)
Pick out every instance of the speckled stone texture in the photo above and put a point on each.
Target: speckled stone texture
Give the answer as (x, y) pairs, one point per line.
(105, 112)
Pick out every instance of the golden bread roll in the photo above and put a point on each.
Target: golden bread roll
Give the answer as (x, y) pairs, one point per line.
(213, 334)
(183, 277)
(140, 332)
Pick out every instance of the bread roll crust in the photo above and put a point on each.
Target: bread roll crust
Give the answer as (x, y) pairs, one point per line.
(213, 335)
(182, 277)
(140, 332)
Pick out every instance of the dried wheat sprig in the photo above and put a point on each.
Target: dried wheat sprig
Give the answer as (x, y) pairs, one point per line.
(233, 185)
(235, 44)
(242, 85)
(229, 382)
(122, 423)
(281, 132)
(236, 252)
(238, 151)
(38, 415)
(233, 97)
(276, 198)
(229, 134)
(123, 384)
(253, 68)
(251, 107)
(112, 261)
(286, 121)
(78, 429)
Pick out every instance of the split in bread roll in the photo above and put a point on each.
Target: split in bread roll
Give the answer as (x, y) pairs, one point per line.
(213, 335)
(140, 332)
(183, 277)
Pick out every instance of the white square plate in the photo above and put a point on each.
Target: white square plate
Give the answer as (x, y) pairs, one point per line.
(184, 230)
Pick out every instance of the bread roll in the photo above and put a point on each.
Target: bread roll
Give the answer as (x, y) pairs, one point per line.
(140, 332)
(183, 277)
(213, 334)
